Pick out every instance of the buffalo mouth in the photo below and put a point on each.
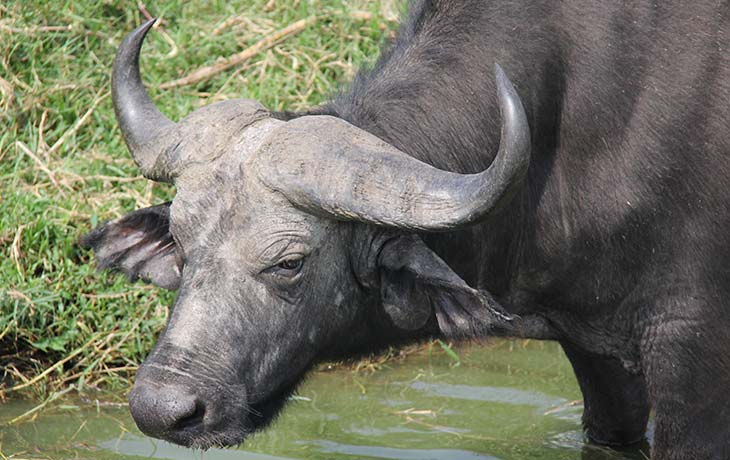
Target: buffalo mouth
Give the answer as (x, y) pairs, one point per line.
(262, 413)
(208, 422)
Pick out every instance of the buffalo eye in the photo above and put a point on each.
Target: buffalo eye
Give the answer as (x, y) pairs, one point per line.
(289, 267)
(291, 264)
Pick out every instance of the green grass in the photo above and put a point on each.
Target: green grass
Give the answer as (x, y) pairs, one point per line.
(64, 167)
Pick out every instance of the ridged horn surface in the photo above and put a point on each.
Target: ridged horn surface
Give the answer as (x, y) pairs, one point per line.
(329, 167)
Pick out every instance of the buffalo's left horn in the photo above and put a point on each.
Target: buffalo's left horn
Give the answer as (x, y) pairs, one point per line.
(142, 125)
(329, 167)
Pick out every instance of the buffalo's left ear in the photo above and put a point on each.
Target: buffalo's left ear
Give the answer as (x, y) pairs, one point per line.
(416, 283)
(139, 245)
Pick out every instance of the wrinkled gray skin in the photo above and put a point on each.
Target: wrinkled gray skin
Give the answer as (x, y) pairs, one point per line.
(286, 243)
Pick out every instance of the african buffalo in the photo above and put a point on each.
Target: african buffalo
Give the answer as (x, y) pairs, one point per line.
(415, 203)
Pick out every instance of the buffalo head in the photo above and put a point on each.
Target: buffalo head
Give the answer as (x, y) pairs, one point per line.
(288, 242)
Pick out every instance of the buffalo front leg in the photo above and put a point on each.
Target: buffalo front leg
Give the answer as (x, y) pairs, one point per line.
(616, 406)
(687, 367)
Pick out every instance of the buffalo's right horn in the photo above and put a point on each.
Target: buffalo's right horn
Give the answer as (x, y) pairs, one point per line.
(144, 128)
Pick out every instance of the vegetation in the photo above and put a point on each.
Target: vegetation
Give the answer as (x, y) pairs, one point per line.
(64, 167)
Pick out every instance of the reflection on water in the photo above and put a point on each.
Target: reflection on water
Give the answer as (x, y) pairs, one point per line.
(401, 454)
(507, 400)
(140, 447)
(493, 394)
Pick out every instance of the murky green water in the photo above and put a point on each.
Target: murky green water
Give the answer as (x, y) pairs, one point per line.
(508, 400)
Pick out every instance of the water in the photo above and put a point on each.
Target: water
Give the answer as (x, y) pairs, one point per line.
(507, 400)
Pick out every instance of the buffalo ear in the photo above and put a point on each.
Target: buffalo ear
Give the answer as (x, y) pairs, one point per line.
(139, 245)
(415, 284)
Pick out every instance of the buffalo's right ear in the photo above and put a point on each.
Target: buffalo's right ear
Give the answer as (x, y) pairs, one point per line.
(139, 245)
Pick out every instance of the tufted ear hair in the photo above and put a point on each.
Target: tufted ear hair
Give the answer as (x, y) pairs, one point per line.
(416, 284)
(139, 245)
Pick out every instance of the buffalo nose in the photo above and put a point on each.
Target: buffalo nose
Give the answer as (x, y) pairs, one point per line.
(161, 410)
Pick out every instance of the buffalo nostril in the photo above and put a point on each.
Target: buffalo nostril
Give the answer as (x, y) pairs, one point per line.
(161, 409)
(194, 419)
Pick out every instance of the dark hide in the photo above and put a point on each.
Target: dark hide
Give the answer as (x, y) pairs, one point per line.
(620, 238)
(617, 245)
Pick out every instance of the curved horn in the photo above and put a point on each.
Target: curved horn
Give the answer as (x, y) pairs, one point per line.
(140, 121)
(327, 166)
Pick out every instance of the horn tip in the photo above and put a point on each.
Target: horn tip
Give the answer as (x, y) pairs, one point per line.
(498, 71)
(504, 85)
(147, 24)
(129, 49)
(140, 32)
